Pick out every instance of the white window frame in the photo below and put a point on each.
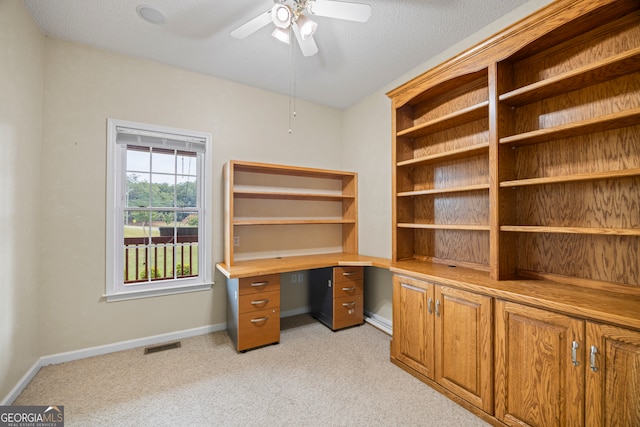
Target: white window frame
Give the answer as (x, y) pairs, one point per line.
(116, 290)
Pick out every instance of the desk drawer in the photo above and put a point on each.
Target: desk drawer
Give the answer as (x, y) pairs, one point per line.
(258, 328)
(258, 301)
(347, 311)
(348, 288)
(256, 284)
(347, 274)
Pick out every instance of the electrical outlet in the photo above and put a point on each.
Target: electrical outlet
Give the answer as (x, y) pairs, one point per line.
(236, 240)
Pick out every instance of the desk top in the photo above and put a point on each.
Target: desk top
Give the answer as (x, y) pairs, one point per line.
(258, 267)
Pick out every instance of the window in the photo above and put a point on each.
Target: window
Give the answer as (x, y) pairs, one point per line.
(158, 210)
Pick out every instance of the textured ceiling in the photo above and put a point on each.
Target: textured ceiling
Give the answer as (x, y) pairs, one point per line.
(354, 59)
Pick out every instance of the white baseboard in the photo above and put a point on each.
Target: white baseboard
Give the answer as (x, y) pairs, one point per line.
(69, 356)
(20, 385)
(382, 323)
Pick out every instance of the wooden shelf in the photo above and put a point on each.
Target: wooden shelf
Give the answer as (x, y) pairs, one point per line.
(462, 189)
(457, 118)
(598, 124)
(598, 72)
(571, 230)
(459, 153)
(249, 194)
(291, 221)
(572, 178)
(468, 227)
(260, 197)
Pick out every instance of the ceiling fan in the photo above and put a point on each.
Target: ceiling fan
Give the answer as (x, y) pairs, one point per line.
(291, 16)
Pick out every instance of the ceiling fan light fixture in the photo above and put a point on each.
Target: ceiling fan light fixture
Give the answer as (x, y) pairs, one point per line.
(282, 35)
(307, 27)
(281, 15)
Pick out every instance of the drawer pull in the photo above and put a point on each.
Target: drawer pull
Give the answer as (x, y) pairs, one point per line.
(594, 351)
(351, 289)
(256, 284)
(259, 302)
(429, 303)
(348, 273)
(348, 304)
(574, 353)
(260, 319)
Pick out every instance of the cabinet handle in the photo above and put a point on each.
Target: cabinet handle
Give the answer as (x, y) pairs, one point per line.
(260, 319)
(351, 289)
(429, 303)
(260, 302)
(348, 304)
(594, 351)
(574, 353)
(348, 273)
(438, 308)
(256, 284)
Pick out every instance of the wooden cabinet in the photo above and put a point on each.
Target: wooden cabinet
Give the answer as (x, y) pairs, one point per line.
(613, 376)
(557, 370)
(445, 335)
(336, 296)
(539, 382)
(275, 211)
(253, 311)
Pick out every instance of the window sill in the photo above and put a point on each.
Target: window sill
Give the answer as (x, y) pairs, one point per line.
(150, 293)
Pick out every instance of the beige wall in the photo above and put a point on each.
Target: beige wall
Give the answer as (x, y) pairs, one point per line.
(85, 86)
(21, 65)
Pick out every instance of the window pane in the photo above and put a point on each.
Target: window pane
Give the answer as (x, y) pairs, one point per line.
(138, 159)
(137, 191)
(187, 164)
(163, 191)
(187, 192)
(163, 161)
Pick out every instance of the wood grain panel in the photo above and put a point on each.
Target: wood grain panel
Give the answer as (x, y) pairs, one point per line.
(458, 97)
(613, 376)
(604, 258)
(453, 173)
(474, 133)
(413, 325)
(598, 152)
(454, 245)
(464, 355)
(605, 204)
(595, 45)
(457, 208)
(605, 98)
(536, 383)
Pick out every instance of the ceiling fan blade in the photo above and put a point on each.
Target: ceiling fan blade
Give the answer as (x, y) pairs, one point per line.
(252, 26)
(342, 10)
(308, 46)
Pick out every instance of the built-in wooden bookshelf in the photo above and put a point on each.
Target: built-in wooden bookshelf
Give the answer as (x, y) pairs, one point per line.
(529, 153)
(274, 211)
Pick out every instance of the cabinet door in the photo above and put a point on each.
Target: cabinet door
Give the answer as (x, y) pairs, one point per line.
(613, 376)
(413, 324)
(539, 381)
(464, 353)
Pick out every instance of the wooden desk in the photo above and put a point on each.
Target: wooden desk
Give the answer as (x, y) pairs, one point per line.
(253, 292)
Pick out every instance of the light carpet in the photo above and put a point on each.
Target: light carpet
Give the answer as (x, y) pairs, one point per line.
(313, 377)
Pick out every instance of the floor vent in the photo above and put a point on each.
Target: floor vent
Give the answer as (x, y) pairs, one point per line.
(162, 347)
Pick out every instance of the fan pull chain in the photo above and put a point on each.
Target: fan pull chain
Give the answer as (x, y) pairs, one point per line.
(292, 80)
